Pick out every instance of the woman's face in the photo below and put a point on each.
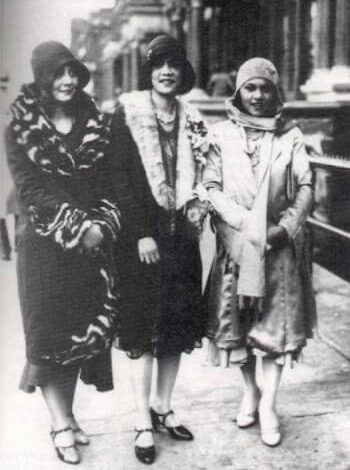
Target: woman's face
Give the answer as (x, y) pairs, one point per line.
(167, 76)
(65, 84)
(258, 97)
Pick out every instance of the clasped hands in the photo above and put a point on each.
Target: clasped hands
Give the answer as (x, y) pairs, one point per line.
(277, 237)
(196, 212)
(92, 240)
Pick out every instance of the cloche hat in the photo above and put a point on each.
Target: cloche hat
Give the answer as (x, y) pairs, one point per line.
(50, 56)
(165, 46)
(257, 67)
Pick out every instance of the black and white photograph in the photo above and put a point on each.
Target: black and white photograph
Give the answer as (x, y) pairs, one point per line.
(175, 234)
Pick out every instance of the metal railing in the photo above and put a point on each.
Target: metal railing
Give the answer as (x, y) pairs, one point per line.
(337, 163)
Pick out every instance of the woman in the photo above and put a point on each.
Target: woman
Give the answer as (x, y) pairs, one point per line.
(5, 179)
(259, 297)
(159, 147)
(56, 145)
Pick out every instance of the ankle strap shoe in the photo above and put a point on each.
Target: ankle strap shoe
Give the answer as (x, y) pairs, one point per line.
(179, 433)
(146, 455)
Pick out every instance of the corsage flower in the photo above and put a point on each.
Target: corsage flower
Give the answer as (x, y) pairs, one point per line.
(197, 133)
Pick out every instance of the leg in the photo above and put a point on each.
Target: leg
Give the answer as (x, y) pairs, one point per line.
(70, 391)
(168, 367)
(271, 376)
(4, 241)
(79, 435)
(162, 415)
(58, 395)
(141, 376)
(16, 216)
(247, 412)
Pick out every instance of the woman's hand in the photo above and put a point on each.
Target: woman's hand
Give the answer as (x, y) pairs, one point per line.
(277, 237)
(92, 239)
(148, 250)
(196, 213)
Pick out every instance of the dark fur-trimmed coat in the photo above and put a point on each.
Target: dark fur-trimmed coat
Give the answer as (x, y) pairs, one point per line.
(161, 303)
(62, 187)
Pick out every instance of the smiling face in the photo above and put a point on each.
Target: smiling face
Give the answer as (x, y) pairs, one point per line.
(258, 97)
(65, 84)
(166, 76)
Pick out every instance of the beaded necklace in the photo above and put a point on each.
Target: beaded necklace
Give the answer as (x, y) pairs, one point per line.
(162, 116)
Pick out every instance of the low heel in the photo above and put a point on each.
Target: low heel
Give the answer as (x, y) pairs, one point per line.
(179, 433)
(271, 437)
(270, 432)
(246, 420)
(155, 422)
(66, 451)
(146, 455)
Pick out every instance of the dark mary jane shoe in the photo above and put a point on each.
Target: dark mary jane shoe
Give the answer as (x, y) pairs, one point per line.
(145, 455)
(176, 432)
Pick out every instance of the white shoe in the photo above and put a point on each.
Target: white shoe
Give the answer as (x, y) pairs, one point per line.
(271, 437)
(269, 428)
(245, 420)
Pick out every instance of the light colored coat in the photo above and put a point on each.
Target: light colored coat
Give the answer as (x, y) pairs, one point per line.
(288, 304)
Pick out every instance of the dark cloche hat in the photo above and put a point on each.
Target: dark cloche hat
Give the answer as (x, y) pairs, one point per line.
(48, 57)
(165, 46)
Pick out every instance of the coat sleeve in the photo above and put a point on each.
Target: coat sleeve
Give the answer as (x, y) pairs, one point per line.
(34, 188)
(128, 180)
(296, 215)
(224, 206)
(106, 212)
(212, 173)
(52, 211)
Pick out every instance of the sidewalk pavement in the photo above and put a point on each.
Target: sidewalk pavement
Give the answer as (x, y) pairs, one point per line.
(314, 405)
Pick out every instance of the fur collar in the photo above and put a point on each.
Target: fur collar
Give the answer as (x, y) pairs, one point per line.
(43, 144)
(141, 120)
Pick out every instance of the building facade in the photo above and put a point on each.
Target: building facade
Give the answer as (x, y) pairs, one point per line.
(308, 40)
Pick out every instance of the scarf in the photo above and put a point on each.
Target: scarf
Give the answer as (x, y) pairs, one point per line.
(252, 243)
(244, 193)
(252, 122)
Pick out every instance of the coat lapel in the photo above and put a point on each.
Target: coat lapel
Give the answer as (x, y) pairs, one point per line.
(266, 156)
(142, 124)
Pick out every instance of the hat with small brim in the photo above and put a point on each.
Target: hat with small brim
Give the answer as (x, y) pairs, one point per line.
(164, 47)
(258, 67)
(48, 58)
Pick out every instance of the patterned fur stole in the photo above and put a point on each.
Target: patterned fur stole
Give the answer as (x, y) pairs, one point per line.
(43, 145)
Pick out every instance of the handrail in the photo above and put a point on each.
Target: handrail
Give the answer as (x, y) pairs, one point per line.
(335, 162)
(329, 228)
(331, 161)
